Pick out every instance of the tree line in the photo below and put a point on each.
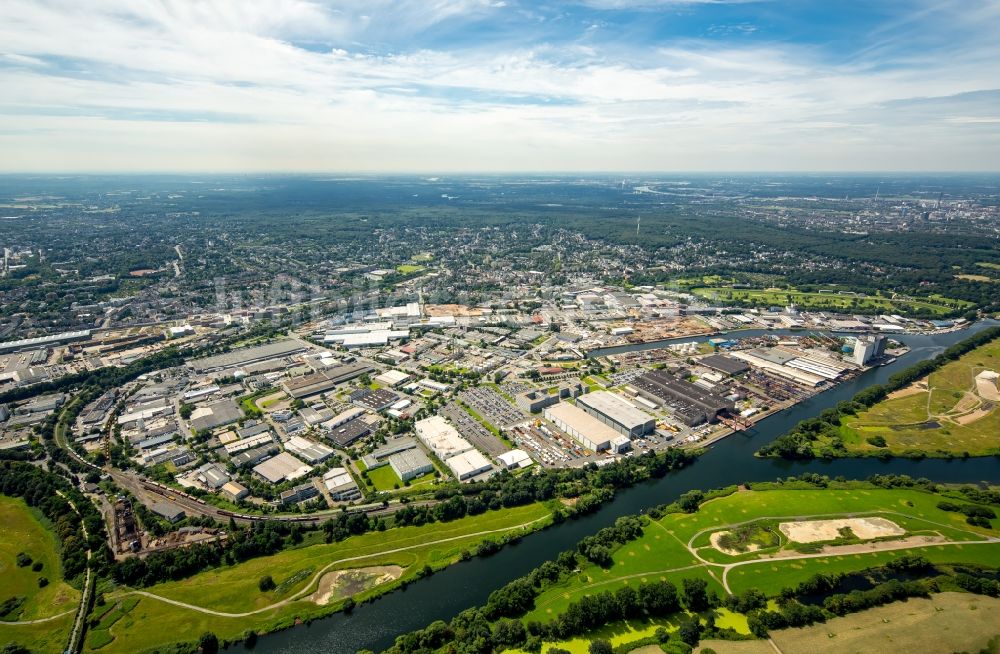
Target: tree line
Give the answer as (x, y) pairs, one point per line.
(52, 495)
(823, 431)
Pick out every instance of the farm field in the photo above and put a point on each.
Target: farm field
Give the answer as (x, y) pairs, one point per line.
(938, 306)
(946, 622)
(23, 599)
(681, 545)
(948, 412)
(227, 601)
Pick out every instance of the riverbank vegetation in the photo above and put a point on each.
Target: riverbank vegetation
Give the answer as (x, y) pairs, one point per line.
(893, 419)
(230, 599)
(835, 299)
(662, 579)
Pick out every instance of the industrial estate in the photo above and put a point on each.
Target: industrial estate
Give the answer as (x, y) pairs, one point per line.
(229, 464)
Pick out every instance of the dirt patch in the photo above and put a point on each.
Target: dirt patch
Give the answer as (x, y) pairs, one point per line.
(868, 548)
(972, 417)
(967, 403)
(339, 584)
(814, 531)
(987, 386)
(717, 536)
(913, 389)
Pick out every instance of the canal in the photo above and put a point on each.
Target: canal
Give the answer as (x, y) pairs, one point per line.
(374, 626)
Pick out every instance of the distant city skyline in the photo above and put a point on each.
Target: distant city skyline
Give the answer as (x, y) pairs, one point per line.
(499, 86)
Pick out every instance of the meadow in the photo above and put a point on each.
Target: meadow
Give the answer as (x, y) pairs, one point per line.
(677, 545)
(223, 597)
(934, 306)
(941, 414)
(946, 622)
(24, 530)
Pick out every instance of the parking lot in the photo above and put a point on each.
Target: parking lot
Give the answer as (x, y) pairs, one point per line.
(470, 428)
(492, 407)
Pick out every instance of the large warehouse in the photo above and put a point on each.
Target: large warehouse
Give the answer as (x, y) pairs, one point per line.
(690, 403)
(442, 439)
(281, 468)
(468, 464)
(323, 381)
(247, 355)
(617, 413)
(585, 429)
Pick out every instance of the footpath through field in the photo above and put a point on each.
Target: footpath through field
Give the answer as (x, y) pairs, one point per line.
(315, 579)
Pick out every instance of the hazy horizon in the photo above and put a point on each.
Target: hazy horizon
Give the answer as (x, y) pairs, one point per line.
(500, 87)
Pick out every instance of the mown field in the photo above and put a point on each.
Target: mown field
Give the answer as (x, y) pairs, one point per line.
(942, 413)
(296, 572)
(946, 622)
(662, 552)
(937, 306)
(24, 531)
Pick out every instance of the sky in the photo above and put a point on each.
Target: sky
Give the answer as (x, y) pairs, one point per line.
(499, 85)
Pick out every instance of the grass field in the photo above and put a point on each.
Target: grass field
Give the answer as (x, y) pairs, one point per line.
(384, 478)
(663, 551)
(296, 572)
(408, 269)
(829, 301)
(946, 622)
(948, 398)
(23, 531)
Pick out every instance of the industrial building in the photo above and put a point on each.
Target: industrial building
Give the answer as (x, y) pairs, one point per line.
(323, 381)
(234, 491)
(43, 341)
(341, 485)
(534, 400)
(280, 468)
(350, 431)
(379, 400)
(440, 437)
(588, 431)
(468, 464)
(617, 413)
(380, 456)
(410, 463)
(724, 364)
(215, 415)
(308, 450)
(247, 355)
(868, 348)
(515, 459)
(169, 512)
(392, 378)
(691, 404)
(298, 494)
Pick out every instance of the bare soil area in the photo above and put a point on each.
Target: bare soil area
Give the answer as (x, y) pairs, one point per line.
(714, 539)
(339, 584)
(814, 531)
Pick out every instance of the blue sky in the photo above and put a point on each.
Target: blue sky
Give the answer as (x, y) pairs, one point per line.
(499, 85)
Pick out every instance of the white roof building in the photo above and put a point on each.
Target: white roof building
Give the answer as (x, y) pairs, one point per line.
(443, 439)
(468, 464)
(515, 459)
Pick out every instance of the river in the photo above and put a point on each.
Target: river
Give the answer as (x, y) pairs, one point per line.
(374, 626)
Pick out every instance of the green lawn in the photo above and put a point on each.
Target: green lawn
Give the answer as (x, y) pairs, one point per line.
(947, 397)
(385, 478)
(661, 552)
(829, 301)
(24, 531)
(234, 589)
(408, 269)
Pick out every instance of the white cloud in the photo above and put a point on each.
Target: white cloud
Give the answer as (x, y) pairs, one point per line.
(300, 85)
